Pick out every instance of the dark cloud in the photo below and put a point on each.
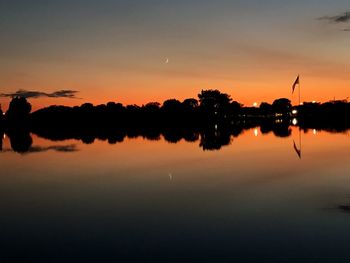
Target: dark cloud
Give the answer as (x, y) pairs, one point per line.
(38, 94)
(342, 18)
(346, 29)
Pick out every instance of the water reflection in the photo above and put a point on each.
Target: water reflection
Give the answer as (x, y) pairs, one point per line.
(141, 200)
(21, 142)
(20, 139)
(209, 138)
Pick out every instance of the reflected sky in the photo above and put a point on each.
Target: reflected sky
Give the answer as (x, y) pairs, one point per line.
(252, 199)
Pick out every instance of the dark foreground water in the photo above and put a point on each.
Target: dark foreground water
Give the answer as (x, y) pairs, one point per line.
(155, 201)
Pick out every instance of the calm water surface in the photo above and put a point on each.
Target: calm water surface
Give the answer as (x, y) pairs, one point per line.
(155, 201)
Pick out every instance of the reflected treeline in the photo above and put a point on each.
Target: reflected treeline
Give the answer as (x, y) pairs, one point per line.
(21, 142)
(212, 137)
(208, 138)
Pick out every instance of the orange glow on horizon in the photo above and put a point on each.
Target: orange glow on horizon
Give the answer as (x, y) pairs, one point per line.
(247, 93)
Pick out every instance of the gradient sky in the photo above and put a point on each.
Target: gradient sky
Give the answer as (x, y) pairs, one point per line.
(116, 50)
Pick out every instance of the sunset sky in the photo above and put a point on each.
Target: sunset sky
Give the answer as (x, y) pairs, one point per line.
(116, 50)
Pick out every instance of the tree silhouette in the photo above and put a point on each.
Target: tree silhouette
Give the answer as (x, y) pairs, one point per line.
(152, 107)
(213, 99)
(282, 106)
(19, 110)
(172, 105)
(172, 111)
(235, 108)
(190, 103)
(266, 108)
(214, 104)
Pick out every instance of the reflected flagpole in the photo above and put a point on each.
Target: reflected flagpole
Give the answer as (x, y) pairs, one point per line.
(300, 141)
(298, 150)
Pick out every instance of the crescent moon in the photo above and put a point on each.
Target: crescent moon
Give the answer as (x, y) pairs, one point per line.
(166, 60)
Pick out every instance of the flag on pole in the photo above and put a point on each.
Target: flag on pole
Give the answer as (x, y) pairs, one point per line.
(296, 82)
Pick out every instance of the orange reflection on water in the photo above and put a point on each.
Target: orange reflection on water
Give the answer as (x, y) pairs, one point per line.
(246, 155)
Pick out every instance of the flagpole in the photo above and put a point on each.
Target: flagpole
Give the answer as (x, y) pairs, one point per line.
(299, 89)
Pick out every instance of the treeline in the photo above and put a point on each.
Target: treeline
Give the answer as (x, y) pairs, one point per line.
(212, 107)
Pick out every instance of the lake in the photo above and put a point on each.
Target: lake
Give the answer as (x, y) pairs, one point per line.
(141, 200)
